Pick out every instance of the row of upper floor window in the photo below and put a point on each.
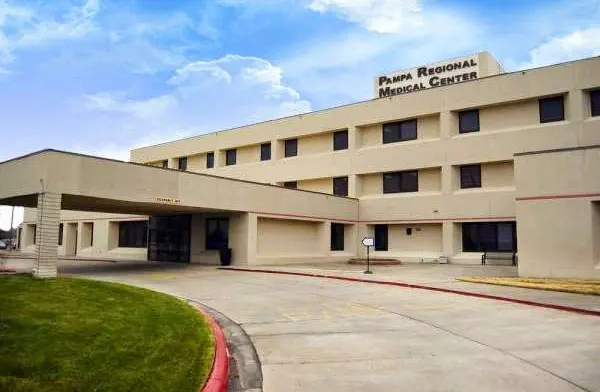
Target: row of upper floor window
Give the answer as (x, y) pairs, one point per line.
(405, 181)
(551, 109)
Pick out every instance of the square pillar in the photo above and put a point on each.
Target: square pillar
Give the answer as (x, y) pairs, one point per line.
(354, 185)
(451, 238)
(48, 219)
(353, 138)
(243, 238)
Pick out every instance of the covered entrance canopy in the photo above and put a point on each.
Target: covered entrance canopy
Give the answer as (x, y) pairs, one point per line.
(52, 180)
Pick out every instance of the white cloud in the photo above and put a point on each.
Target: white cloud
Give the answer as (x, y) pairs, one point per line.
(143, 109)
(200, 97)
(6, 214)
(24, 27)
(573, 46)
(380, 16)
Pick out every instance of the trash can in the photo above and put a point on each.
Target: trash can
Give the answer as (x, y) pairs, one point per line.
(225, 256)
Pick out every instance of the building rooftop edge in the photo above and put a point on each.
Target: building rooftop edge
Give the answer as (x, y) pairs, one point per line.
(52, 150)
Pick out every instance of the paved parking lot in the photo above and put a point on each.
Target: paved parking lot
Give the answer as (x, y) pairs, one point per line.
(324, 335)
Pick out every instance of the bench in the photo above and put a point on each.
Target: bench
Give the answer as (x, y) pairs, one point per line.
(499, 256)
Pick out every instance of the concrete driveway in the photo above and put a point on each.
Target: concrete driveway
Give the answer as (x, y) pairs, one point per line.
(323, 335)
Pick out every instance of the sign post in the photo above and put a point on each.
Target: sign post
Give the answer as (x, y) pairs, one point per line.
(368, 242)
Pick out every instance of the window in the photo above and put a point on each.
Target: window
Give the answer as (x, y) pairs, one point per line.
(265, 152)
(210, 160)
(340, 186)
(381, 237)
(399, 131)
(489, 237)
(230, 157)
(291, 184)
(291, 148)
(34, 228)
(470, 176)
(182, 164)
(552, 109)
(468, 121)
(595, 102)
(404, 181)
(337, 236)
(60, 233)
(165, 164)
(133, 234)
(217, 233)
(340, 140)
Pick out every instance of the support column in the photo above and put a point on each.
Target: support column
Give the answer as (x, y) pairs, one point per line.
(576, 107)
(354, 185)
(353, 136)
(48, 219)
(451, 239)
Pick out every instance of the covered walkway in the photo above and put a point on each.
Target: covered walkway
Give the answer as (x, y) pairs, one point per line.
(51, 180)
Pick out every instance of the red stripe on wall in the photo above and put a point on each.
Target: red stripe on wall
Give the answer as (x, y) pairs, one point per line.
(498, 218)
(554, 197)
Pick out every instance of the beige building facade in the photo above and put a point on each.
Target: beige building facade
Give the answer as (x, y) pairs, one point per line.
(506, 164)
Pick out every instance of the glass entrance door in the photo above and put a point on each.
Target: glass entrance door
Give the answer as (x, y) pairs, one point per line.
(169, 238)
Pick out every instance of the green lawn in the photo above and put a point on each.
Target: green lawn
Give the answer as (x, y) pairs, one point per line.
(79, 335)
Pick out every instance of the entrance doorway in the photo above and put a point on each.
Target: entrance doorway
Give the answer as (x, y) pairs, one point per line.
(169, 238)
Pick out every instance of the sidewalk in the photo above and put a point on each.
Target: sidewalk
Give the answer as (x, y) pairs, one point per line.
(442, 276)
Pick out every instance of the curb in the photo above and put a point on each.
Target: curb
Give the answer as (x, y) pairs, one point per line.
(429, 288)
(217, 381)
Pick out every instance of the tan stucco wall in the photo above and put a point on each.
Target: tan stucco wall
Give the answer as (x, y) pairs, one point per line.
(315, 144)
(324, 185)
(557, 213)
(281, 237)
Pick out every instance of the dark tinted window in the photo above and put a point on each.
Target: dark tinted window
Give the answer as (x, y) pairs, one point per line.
(552, 109)
(404, 181)
(291, 148)
(468, 121)
(265, 152)
(217, 233)
(381, 237)
(489, 237)
(340, 186)
(290, 184)
(595, 102)
(165, 164)
(340, 140)
(337, 236)
(470, 176)
(182, 164)
(133, 234)
(210, 160)
(60, 234)
(399, 131)
(230, 157)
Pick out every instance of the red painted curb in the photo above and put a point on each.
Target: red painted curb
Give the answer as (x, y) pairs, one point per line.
(219, 374)
(430, 288)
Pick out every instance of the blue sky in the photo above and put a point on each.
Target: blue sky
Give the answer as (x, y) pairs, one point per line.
(104, 76)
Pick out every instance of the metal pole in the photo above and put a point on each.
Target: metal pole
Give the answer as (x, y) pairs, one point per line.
(12, 230)
(368, 271)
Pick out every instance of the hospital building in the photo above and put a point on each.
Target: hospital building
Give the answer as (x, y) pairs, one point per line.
(457, 162)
